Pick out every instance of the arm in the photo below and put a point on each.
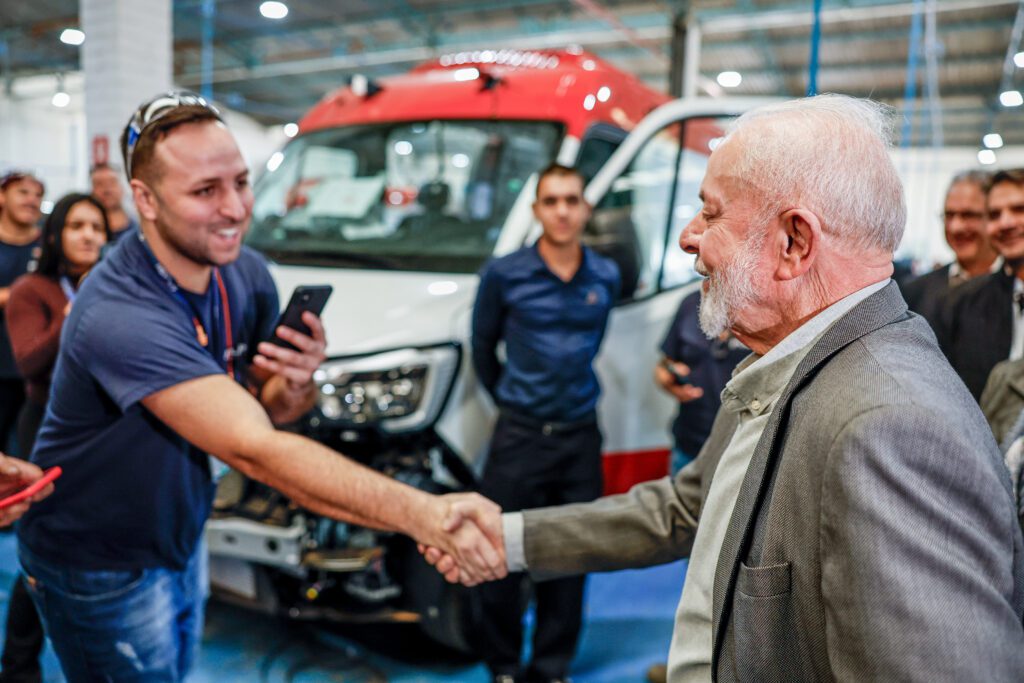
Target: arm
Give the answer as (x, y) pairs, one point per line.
(911, 538)
(654, 523)
(488, 315)
(285, 377)
(218, 416)
(34, 330)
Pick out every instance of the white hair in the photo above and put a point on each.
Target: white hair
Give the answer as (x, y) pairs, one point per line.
(829, 154)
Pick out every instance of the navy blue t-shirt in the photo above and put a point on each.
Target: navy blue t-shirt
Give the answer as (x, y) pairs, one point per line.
(134, 494)
(711, 364)
(14, 262)
(552, 331)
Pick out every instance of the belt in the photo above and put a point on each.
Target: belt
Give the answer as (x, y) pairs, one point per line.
(548, 427)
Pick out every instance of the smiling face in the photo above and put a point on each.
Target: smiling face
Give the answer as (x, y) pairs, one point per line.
(964, 221)
(22, 200)
(82, 238)
(1006, 220)
(727, 237)
(201, 198)
(106, 187)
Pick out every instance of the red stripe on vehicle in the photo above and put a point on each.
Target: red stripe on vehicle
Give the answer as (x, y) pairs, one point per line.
(625, 468)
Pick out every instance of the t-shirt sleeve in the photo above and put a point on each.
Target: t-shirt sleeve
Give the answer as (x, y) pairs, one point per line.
(134, 352)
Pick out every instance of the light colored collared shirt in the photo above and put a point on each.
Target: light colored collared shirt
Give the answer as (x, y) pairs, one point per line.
(756, 385)
(958, 276)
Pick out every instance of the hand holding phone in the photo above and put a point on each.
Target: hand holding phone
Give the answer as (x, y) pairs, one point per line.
(32, 489)
(310, 298)
(677, 377)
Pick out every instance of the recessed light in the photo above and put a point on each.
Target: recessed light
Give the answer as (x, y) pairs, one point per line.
(274, 10)
(290, 129)
(1011, 98)
(729, 79)
(72, 36)
(986, 157)
(993, 140)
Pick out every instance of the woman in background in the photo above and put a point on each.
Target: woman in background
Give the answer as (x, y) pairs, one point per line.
(72, 237)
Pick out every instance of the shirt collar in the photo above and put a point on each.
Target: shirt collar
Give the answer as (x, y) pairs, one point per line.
(539, 266)
(758, 381)
(956, 271)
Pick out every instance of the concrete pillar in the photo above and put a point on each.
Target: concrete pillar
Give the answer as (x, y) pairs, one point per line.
(127, 58)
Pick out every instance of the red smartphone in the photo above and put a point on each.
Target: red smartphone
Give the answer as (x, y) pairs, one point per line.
(32, 489)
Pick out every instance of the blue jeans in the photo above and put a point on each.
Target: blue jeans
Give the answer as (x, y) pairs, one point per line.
(141, 625)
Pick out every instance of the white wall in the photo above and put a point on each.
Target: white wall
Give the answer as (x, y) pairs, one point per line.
(37, 136)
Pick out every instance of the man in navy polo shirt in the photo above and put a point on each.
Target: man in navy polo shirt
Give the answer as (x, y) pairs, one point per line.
(550, 304)
(151, 377)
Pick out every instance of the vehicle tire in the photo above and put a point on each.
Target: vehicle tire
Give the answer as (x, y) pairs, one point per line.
(446, 610)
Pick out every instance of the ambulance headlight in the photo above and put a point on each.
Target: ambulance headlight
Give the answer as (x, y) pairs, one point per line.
(397, 391)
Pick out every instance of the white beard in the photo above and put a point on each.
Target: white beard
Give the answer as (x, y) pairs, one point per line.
(730, 289)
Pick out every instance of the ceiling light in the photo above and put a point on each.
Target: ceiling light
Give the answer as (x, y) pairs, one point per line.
(72, 36)
(1018, 59)
(460, 160)
(729, 79)
(993, 140)
(403, 148)
(1011, 98)
(290, 129)
(469, 74)
(274, 10)
(589, 101)
(61, 99)
(604, 93)
(987, 157)
(274, 161)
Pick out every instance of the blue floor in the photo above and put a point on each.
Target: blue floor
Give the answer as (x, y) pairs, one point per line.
(627, 627)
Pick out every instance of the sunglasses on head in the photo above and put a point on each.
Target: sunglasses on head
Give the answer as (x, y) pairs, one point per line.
(154, 110)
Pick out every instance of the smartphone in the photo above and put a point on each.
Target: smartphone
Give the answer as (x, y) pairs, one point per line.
(310, 298)
(32, 489)
(677, 377)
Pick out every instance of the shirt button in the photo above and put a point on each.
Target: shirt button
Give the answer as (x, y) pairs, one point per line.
(755, 404)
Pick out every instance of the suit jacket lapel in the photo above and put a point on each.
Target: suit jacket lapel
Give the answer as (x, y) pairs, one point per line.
(879, 309)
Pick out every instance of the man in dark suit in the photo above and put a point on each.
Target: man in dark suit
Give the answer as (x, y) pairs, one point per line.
(982, 322)
(963, 218)
(850, 517)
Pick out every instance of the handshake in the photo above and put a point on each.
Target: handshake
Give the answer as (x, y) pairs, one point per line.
(470, 547)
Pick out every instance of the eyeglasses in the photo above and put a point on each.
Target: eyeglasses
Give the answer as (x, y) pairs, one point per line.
(154, 110)
(966, 216)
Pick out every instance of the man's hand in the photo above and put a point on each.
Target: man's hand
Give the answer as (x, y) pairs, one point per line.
(296, 367)
(468, 516)
(684, 393)
(289, 392)
(15, 475)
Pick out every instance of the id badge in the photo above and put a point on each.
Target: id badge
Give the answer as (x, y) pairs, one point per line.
(218, 468)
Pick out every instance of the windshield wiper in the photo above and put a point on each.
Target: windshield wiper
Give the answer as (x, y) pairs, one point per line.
(314, 257)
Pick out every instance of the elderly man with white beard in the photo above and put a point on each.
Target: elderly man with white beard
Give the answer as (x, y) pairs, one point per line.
(855, 520)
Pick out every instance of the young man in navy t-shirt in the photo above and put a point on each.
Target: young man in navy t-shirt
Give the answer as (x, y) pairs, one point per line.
(151, 377)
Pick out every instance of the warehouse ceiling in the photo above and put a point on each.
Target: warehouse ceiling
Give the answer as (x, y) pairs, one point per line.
(276, 69)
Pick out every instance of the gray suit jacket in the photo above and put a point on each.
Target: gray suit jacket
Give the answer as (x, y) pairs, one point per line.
(874, 537)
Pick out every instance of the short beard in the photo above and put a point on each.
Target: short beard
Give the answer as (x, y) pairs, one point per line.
(731, 288)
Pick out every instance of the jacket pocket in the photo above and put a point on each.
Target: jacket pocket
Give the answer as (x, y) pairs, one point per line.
(763, 625)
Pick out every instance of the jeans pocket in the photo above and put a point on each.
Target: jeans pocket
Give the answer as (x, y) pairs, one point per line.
(100, 585)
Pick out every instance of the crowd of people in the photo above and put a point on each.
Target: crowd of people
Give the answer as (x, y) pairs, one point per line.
(834, 482)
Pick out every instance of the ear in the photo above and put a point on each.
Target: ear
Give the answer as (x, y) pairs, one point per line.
(800, 233)
(145, 199)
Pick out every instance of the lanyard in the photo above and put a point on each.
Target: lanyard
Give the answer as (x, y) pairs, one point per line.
(69, 291)
(221, 311)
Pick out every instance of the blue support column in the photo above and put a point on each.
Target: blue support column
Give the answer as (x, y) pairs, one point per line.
(209, 11)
